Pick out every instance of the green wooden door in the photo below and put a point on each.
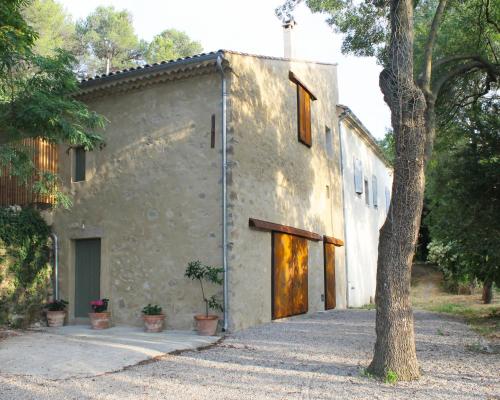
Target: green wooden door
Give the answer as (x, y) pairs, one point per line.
(87, 274)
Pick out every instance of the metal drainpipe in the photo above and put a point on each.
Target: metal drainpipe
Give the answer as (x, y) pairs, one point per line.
(341, 117)
(220, 58)
(56, 266)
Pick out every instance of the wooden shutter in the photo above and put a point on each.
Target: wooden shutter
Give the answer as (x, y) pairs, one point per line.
(79, 164)
(329, 260)
(375, 191)
(304, 115)
(358, 176)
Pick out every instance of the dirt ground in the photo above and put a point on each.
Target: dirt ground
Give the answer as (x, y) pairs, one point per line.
(428, 294)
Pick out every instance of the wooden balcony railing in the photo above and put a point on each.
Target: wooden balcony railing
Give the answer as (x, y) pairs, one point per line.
(14, 192)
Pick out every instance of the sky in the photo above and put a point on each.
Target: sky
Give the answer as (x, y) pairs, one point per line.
(252, 27)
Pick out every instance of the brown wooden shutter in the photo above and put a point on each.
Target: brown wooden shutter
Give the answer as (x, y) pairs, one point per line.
(304, 115)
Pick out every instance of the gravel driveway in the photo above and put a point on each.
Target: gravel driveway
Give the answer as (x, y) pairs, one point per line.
(311, 357)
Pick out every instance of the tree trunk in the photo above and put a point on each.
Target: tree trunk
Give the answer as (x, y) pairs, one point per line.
(395, 345)
(487, 292)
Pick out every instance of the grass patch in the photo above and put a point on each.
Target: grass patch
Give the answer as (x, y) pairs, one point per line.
(365, 307)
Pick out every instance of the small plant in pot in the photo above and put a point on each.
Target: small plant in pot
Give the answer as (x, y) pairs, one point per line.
(100, 317)
(206, 324)
(153, 318)
(56, 312)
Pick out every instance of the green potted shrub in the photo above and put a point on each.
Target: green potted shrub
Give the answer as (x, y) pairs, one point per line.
(206, 324)
(56, 312)
(153, 318)
(100, 317)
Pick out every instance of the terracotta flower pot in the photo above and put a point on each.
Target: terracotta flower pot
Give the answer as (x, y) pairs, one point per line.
(206, 325)
(153, 323)
(100, 320)
(55, 318)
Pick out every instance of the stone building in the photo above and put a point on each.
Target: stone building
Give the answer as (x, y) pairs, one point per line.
(227, 158)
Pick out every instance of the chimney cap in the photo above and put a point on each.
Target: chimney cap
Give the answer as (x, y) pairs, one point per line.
(289, 23)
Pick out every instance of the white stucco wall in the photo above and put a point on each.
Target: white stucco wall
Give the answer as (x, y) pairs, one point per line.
(362, 220)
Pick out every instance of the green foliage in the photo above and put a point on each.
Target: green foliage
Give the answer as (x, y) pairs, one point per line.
(107, 36)
(197, 271)
(464, 194)
(152, 310)
(54, 25)
(388, 146)
(391, 377)
(36, 100)
(56, 305)
(24, 268)
(169, 45)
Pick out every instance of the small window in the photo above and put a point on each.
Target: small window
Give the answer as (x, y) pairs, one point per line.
(358, 176)
(79, 166)
(328, 142)
(375, 191)
(304, 97)
(367, 193)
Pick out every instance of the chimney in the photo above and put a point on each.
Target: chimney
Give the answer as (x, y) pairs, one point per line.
(288, 26)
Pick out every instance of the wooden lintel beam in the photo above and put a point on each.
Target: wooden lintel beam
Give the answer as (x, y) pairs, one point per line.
(296, 80)
(272, 227)
(332, 240)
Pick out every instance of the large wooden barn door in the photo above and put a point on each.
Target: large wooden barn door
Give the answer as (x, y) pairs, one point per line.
(329, 256)
(290, 261)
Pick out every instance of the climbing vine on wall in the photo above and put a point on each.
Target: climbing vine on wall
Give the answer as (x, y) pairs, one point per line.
(24, 265)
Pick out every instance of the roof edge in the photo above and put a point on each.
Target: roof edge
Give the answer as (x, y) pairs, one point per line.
(346, 112)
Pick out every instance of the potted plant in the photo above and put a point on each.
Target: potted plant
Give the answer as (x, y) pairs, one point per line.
(56, 312)
(153, 318)
(206, 324)
(100, 317)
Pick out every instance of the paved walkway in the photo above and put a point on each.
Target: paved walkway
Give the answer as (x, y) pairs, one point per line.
(320, 356)
(78, 351)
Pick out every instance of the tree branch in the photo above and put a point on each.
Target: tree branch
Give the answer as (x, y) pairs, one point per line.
(479, 63)
(425, 81)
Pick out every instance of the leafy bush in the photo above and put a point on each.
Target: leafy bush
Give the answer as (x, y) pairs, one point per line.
(152, 310)
(453, 265)
(24, 265)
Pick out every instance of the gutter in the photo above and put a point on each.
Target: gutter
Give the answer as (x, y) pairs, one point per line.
(56, 265)
(342, 116)
(220, 67)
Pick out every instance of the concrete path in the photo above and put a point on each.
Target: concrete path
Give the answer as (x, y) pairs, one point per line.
(78, 351)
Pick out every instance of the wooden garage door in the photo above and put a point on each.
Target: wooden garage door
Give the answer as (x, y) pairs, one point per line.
(329, 256)
(87, 274)
(290, 260)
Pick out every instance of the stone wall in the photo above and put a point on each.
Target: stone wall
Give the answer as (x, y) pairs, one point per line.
(152, 195)
(276, 178)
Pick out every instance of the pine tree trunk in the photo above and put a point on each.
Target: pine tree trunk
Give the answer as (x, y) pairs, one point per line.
(487, 292)
(395, 345)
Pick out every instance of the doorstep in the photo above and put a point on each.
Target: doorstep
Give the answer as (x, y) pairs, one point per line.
(77, 351)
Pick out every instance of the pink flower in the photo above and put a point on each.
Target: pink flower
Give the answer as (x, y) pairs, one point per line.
(97, 303)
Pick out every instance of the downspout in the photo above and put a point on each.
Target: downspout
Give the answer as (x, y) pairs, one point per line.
(220, 59)
(341, 117)
(56, 265)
